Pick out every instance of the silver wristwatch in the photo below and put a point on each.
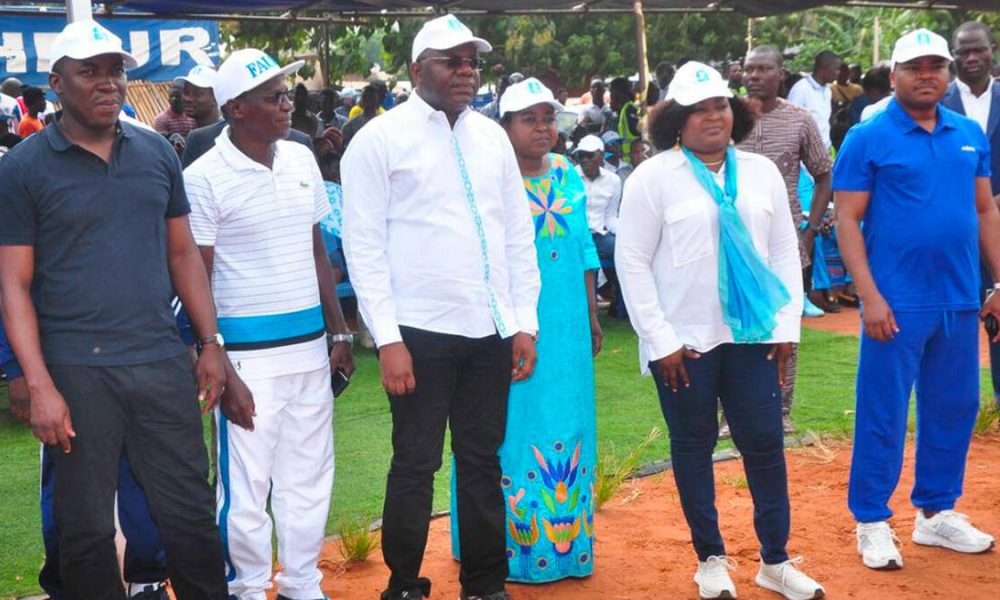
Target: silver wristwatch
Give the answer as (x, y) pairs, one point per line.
(336, 338)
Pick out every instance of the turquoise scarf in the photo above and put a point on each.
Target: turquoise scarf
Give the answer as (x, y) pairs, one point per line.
(750, 292)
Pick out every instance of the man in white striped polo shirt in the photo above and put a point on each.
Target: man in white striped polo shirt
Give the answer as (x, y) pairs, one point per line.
(256, 204)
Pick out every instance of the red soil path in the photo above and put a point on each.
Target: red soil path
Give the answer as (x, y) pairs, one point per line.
(643, 550)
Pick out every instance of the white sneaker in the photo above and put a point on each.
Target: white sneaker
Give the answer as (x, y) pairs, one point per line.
(788, 581)
(713, 578)
(877, 546)
(952, 530)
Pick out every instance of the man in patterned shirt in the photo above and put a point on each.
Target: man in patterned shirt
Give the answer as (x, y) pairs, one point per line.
(788, 136)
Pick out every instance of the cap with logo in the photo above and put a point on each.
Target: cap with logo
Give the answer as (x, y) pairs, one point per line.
(246, 69)
(200, 76)
(84, 39)
(590, 143)
(922, 42)
(695, 82)
(525, 95)
(443, 33)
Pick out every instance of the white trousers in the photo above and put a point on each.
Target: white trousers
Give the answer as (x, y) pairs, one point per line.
(289, 457)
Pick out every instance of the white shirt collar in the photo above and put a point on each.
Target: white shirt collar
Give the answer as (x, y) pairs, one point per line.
(965, 89)
(236, 158)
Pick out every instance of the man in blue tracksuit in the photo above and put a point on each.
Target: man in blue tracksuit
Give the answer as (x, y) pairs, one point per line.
(918, 175)
(145, 567)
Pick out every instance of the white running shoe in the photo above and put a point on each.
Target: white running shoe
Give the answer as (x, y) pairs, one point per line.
(788, 581)
(952, 530)
(877, 546)
(713, 578)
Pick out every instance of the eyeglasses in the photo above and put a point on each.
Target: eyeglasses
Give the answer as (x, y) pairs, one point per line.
(275, 97)
(457, 62)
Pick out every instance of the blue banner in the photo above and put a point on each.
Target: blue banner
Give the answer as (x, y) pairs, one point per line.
(164, 49)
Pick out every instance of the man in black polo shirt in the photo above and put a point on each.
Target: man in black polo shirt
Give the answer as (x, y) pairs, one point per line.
(90, 254)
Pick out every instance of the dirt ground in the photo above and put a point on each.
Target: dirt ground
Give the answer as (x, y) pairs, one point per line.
(643, 546)
(643, 550)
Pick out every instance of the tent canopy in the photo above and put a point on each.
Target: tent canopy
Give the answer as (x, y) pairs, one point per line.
(752, 8)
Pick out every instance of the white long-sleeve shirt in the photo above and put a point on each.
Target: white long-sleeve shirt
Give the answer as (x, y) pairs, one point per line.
(817, 99)
(604, 197)
(410, 236)
(667, 252)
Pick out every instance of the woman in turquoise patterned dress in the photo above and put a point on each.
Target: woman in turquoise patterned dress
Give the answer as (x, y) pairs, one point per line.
(549, 453)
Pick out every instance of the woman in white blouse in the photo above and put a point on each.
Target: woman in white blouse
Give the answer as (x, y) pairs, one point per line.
(709, 268)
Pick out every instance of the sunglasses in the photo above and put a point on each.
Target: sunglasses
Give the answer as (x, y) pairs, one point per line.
(583, 155)
(457, 62)
(275, 97)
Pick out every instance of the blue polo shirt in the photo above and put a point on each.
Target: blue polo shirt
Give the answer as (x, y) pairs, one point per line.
(101, 285)
(921, 227)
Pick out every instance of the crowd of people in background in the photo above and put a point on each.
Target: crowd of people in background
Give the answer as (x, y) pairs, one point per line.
(714, 209)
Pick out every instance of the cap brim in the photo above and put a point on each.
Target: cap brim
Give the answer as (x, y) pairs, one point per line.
(195, 81)
(907, 58)
(129, 60)
(690, 97)
(481, 45)
(557, 107)
(282, 73)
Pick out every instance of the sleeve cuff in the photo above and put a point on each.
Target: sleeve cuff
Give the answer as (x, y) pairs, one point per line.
(789, 326)
(663, 343)
(385, 333)
(527, 319)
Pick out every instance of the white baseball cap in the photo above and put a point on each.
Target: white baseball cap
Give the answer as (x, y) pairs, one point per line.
(590, 143)
(246, 69)
(200, 76)
(922, 42)
(87, 39)
(443, 33)
(525, 95)
(695, 82)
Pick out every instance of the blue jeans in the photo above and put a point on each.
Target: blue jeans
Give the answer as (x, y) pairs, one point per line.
(746, 383)
(936, 352)
(145, 560)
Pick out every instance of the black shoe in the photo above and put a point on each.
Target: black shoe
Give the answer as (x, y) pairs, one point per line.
(152, 592)
(501, 595)
(423, 590)
(280, 597)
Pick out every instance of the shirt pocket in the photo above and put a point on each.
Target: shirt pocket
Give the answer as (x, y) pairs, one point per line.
(687, 224)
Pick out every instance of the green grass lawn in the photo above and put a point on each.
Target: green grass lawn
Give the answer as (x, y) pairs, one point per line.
(627, 409)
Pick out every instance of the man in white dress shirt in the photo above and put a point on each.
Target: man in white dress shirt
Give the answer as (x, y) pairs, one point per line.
(440, 245)
(604, 196)
(813, 92)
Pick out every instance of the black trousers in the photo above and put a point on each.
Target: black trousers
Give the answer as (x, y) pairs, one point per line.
(464, 382)
(151, 410)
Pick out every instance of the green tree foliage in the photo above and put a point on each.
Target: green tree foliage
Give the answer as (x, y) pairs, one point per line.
(570, 49)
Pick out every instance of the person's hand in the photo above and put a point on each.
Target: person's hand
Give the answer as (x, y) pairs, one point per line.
(237, 403)
(524, 356)
(596, 336)
(50, 418)
(342, 358)
(20, 400)
(781, 353)
(808, 241)
(396, 364)
(992, 307)
(672, 368)
(210, 372)
(880, 323)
